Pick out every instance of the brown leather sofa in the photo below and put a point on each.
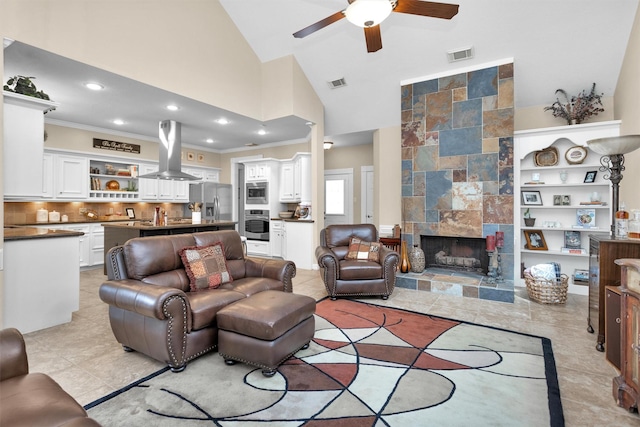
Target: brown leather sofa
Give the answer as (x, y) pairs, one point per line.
(32, 399)
(151, 308)
(358, 278)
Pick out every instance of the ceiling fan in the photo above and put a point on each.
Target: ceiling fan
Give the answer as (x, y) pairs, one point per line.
(368, 14)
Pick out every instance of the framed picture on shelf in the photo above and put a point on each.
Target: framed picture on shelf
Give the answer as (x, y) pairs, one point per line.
(131, 213)
(590, 177)
(535, 240)
(557, 200)
(572, 240)
(586, 217)
(531, 198)
(566, 200)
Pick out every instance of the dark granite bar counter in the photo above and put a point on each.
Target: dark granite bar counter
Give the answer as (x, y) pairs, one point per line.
(26, 233)
(116, 233)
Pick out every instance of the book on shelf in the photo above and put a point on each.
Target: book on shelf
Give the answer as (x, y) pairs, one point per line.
(574, 251)
(581, 275)
(593, 203)
(586, 217)
(572, 240)
(534, 183)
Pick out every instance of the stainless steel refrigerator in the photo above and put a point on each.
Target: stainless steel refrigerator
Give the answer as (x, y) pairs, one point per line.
(215, 199)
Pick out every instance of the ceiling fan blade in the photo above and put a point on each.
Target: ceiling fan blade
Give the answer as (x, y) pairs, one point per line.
(319, 25)
(427, 8)
(373, 37)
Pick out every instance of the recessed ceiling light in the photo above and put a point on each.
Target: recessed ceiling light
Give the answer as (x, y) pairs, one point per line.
(262, 132)
(118, 122)
(173, 107)
(94, 86)
(222, 121)
(209, 141)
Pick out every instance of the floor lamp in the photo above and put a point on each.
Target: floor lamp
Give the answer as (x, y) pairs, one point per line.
(613, 150)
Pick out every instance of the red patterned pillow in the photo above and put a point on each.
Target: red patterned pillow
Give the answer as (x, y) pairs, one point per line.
(206, 266)
(361, 250)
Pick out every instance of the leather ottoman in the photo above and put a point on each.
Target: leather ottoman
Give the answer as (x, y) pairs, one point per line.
(265, 329)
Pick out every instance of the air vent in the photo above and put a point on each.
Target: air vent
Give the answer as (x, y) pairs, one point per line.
(334, 84)
(460, 55)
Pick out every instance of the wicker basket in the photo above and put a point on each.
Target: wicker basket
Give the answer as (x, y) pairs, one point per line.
(546, 291)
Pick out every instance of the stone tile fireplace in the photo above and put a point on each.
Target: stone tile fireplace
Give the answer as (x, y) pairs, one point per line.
(457, 174)
(455, 253)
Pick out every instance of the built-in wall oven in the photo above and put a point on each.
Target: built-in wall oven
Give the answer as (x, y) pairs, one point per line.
(257, 193)
(256, 224)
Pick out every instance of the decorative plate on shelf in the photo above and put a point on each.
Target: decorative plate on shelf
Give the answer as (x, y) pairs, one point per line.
(576, 155)
(112, 185)
(546, 157)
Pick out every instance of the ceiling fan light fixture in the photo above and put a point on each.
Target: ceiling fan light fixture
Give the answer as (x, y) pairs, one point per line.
(368, 13)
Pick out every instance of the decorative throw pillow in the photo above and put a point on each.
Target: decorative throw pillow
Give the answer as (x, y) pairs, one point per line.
(206, 266)
(361, 250)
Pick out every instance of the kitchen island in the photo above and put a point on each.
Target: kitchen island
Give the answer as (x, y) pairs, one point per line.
(116, 233)
(41, 277)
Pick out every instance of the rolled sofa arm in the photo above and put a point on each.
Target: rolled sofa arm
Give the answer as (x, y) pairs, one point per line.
(13, 354)
(277, 269)
(135, 296)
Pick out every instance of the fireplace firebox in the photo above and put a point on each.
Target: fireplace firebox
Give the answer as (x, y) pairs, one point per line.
(455, 253)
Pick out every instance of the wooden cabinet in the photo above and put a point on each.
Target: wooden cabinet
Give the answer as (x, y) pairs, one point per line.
(612, 322)
(603, 272)
(626, 387)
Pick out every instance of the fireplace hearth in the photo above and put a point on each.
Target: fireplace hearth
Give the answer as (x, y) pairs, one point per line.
(455, 253)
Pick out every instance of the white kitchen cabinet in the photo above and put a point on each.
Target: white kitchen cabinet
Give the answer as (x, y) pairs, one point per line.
(298, 243)
(96, 245)
(258, 247)
(71, 176)
(288, 182)
(276, 238)
(212, 175)
(148, 186)
(295, 179)
(23, 145)
(48, 190)
(556, 215)
(257, 171)
(103, 172)
(181, 191)
(84, 241)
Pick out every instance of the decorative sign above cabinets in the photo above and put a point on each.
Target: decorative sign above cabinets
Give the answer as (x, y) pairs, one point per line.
(116, 146)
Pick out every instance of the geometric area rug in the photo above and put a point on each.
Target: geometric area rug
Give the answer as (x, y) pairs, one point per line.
(366, 366)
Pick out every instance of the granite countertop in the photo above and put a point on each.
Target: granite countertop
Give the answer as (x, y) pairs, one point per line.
(26, 233)
(181, 223)
(291, 219)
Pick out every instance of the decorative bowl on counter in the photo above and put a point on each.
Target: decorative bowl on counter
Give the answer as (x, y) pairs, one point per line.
(285, 215)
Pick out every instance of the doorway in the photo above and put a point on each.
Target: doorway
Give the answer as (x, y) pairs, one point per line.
(338, 196)
(366, 195)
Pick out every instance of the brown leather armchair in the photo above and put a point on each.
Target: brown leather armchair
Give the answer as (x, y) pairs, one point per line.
(343, 277)
(32, 399)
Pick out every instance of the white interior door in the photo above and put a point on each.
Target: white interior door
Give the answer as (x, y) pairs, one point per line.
(366, 195)
(338, 196)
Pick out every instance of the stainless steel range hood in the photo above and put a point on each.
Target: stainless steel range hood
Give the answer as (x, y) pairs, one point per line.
(169, 156)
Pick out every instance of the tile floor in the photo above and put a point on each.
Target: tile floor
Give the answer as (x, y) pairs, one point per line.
(86, 360)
